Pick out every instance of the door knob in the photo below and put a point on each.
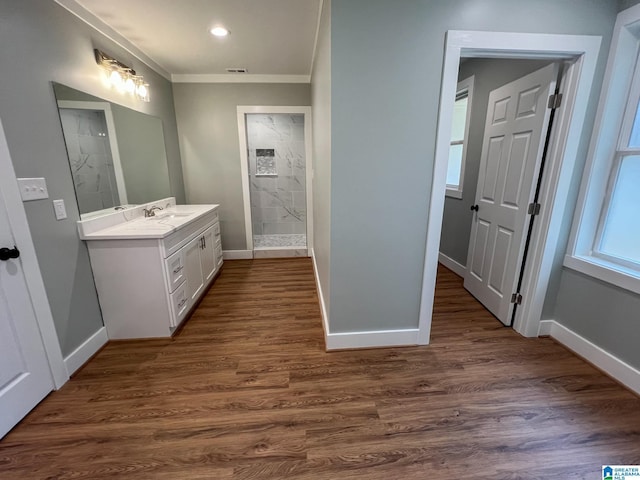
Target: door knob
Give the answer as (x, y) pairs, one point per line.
(7, 253)
(474, 207)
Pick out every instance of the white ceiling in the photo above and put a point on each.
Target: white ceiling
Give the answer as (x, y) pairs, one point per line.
(268, 37)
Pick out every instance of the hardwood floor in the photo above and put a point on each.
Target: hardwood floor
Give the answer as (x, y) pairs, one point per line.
(246, 391)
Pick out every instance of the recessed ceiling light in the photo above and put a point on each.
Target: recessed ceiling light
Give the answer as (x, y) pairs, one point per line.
(219, 31)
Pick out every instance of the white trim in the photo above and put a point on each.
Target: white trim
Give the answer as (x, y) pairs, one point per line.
(545, 328)
(609, 272)
(85, 351)
(93, 21)
(315, 40)
(611, 365)
(452, 265)
(237, 254)
(378, 338)
(244, 171)
(242, 111)
(560, 167)
(237, 78)
(113, 141)
(453, 193)
(31, 268)
(323, 306)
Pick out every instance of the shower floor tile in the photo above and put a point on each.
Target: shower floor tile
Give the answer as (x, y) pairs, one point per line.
(288, 240)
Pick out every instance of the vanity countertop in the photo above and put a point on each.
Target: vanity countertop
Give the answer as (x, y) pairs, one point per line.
(164, 223)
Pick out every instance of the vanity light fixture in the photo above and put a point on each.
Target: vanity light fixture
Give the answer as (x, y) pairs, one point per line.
(219, 31)
(121, 77)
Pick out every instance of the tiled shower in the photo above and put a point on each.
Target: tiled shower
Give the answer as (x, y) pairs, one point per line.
(85, 133)
(277, 180)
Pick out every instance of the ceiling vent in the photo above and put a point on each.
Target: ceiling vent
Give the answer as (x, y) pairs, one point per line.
(236, 70)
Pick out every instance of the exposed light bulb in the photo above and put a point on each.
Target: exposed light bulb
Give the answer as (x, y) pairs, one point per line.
(142, 91)
(130, 85)
(219, 31)
(115, 78)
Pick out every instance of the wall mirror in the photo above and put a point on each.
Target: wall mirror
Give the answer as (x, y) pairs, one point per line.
(117, 156)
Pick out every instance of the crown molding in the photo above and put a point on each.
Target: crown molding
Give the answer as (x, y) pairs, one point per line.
(238, 78)
(93, 21)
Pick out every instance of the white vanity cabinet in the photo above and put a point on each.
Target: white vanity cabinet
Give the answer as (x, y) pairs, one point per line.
(147, 286)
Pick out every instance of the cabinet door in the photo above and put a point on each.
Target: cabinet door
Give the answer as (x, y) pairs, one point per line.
(208, 254)
(193, 267)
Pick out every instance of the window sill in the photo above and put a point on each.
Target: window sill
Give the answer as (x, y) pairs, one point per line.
(453, 193)
(604, 270)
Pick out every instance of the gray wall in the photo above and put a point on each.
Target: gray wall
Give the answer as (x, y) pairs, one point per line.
(43, 42)
(489, 75)
(321, 101)
(602, 313)
(385, 93)
(208, 131)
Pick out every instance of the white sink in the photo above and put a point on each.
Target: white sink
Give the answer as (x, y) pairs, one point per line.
(168, 216)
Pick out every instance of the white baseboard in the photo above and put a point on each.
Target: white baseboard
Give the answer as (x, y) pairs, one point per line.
(544, 330)
(381, 338)
(84, 352)
(609, 364)
(349, 340)
(323, 306)
(237, 254)
(452, 265)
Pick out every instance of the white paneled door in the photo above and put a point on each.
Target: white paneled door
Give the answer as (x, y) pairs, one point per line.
(25, 377)
(514, 135)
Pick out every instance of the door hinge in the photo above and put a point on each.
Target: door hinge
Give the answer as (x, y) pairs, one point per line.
(516, 298)
(534, 209)
(555, 100)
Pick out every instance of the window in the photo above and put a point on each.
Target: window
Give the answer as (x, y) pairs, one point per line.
(459, 138)
(619, 230)
(605, 240)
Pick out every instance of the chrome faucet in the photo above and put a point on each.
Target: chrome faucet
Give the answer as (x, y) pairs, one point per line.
(150, 212)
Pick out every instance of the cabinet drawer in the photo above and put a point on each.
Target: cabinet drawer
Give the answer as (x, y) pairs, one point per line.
(218, 255)
(216, 233)
(173, 242)
(175, 270)
(179, 304)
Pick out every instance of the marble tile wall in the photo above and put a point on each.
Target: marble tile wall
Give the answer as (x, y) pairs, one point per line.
(85, 133)
(278, 202)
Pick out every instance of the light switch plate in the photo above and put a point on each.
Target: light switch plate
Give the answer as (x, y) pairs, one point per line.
(33, 189)
(59, 209)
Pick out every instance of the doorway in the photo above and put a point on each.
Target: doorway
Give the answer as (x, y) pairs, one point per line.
(579, 54)
(502, 131)
(276, 170)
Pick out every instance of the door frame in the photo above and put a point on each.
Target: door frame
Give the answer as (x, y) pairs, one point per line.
(576, 85)
(33, 277)
(243, 110)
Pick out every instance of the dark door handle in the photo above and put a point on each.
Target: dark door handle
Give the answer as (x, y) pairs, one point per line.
(474, 207)
(7, 253)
